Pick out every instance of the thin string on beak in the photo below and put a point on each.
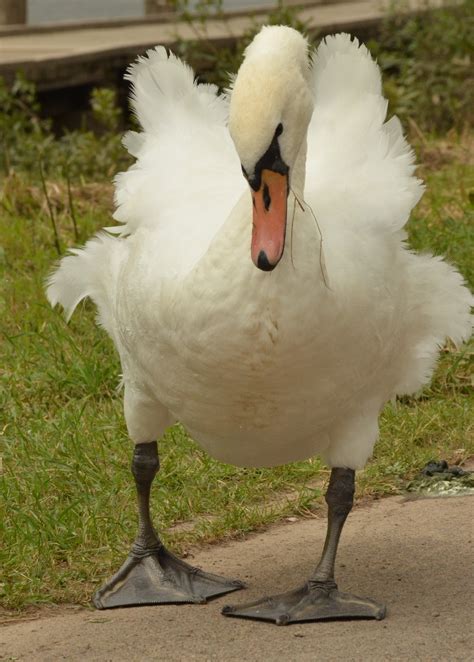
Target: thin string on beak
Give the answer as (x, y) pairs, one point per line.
(291, 236)
(322, 263)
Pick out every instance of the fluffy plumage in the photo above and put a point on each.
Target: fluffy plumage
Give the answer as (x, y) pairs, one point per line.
(265, 368)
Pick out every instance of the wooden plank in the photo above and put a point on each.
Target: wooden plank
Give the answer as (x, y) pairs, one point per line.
(68, 57)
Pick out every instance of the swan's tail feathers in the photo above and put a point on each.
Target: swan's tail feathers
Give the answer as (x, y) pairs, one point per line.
(447, 310)
(92, 272)
(355, 156)
(162, 86)
(439, 305)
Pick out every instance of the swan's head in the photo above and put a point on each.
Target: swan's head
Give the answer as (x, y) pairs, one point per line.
(270, 110)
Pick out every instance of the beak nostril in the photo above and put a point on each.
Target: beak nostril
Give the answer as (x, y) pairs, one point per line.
(266, 197)
(263, 263)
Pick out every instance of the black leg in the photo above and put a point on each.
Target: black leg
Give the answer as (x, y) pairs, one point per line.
(145, 466)
(339, 497)
(151, 574)
(318, 599)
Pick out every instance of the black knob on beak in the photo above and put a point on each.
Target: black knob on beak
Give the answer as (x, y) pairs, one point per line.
(263, 263)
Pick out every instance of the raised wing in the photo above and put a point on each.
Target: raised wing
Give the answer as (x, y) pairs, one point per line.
(187, 172)
(359, 167)
(183, 185)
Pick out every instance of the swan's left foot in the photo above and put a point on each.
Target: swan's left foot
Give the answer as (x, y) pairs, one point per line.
(315, 601)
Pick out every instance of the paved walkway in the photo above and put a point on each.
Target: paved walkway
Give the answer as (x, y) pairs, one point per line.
(414, 555)
(63, 57)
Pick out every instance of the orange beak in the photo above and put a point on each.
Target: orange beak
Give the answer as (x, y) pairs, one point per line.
(269, 220)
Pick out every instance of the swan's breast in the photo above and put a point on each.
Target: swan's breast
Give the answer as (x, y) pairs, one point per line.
(249, 359)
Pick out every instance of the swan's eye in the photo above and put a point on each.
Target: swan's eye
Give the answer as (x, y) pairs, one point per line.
(279, 130)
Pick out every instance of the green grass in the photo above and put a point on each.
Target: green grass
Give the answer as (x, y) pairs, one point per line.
(68, 506)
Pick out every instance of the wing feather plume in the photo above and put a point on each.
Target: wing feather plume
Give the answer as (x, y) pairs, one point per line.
(360, 168)
(185, 157)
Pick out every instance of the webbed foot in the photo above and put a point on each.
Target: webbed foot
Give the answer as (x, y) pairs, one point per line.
(159, 577)
(315, 601)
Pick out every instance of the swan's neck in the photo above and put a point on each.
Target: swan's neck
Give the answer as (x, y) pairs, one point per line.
(298, 174)
(231, 244)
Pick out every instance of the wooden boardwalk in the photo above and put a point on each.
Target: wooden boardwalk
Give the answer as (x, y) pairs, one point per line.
(63, 57)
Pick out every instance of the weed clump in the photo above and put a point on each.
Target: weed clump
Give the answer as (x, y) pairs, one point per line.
(29, 145)
(427, 65)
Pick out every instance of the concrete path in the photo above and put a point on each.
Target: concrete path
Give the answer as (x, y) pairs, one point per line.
(414, 555)
(59, 57)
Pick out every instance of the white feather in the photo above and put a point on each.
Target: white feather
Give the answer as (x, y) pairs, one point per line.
(183, 155)
(91, 272)
(360, 168)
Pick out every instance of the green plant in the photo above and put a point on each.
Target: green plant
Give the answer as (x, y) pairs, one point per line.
(29, 144)
(427, 64)
(23, 134)
(95, 155)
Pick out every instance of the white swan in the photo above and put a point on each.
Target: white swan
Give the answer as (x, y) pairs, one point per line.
(298, 356)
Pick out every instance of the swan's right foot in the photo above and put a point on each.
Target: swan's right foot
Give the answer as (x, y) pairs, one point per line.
(318, 599)
(159, 577)
(152, 575)
(312, 602)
